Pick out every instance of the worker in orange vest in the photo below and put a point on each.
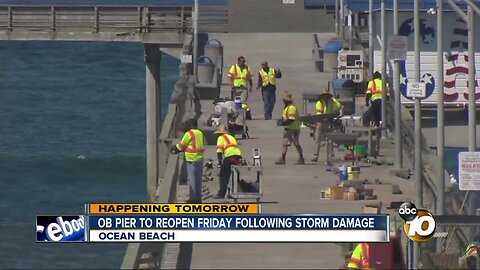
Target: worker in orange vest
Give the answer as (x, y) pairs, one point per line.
(192, 144)
(228, 154)
(360, 257)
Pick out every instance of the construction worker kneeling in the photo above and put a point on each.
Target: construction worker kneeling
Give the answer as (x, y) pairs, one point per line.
(228, 154)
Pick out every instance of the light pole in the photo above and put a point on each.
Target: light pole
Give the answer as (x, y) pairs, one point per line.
(418, 126)
(384, 71)
(195, 41)
(396, 78)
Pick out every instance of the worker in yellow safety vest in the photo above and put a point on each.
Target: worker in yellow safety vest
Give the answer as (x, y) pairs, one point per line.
(374, 97)
(360, 257)
(267, 81)
(192, 144)
(240, 78)
(471, 255)
(326, 104)
(228, 154)
(291, 133)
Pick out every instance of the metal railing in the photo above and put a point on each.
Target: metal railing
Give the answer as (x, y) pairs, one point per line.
(150, 24)
(150, 255)
(57, 18)
(453, 238)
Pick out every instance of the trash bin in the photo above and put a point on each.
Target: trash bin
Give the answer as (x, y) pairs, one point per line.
(344, 91)
(205, 69)
(214, 50)
(330, 55)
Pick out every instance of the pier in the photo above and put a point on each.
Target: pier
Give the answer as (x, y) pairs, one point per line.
(287, 188)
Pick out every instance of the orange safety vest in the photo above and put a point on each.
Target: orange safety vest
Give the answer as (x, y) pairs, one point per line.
(228, 146)
(362, 259)
(193, 144)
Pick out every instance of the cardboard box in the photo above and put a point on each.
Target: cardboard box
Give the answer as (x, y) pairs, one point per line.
(372, 209)
(349, 196)
(368, 192)
(336, 193)
(325, 194)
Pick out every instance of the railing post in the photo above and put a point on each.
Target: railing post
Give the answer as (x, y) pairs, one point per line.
(139, 19)
(9, 18)
(146, 19)
(53, 24)
(95, 16)
(182, 22)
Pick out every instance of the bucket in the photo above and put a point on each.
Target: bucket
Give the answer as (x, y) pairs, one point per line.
(238, 103)
(360, 151)
(342, 173)
(353, 173)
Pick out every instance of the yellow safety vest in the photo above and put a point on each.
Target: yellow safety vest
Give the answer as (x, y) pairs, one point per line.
(192, 144)
(360, 257)
(472, 249)
(240, 77)
(268, 77)
(333, 105)
(291, 113)
(227, 144)
(375, 88)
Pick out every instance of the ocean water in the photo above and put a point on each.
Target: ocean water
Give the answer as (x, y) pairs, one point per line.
(72, 131)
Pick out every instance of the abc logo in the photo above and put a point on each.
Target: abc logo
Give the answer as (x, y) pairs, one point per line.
(419, 223)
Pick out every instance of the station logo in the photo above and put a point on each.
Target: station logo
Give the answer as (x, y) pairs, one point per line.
(419, 223)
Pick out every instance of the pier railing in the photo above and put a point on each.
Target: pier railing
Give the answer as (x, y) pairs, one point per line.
(150, 255)
(152, 24)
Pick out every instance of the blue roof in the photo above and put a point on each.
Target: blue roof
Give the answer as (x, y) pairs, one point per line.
(362, 5)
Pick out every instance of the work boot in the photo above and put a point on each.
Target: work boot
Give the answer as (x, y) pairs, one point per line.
(280, 161)
(315, 159)
(300, 161)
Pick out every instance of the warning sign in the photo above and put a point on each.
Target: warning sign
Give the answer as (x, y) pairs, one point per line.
(469, 170)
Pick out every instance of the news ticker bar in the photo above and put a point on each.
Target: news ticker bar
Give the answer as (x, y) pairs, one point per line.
(239, 236)
(217, 228)
(171, 208)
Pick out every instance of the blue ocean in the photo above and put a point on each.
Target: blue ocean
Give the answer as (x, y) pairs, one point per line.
(72, 131)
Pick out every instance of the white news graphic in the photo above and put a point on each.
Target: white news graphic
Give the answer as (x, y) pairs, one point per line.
(238, 236)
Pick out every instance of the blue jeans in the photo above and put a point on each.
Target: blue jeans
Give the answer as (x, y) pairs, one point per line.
(194, 173)
(269, 99)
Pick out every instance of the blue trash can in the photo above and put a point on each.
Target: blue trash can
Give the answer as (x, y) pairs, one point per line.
(344, 91)
(330, 55)
(214, 50)
(205, 69)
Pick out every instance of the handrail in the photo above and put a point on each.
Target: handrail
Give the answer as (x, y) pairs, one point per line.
(106, 22)
(151, 255)
(95, 18)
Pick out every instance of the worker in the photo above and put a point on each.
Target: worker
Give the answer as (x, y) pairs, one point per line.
(471, 255)
(291, 133)
(267, 79)
(360, 257)
(374, 97)
(228, 154)
(239, 76)
(193, 144)
(326, 104)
